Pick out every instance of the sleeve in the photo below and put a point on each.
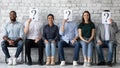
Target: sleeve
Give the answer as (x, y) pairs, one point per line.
(44, 33)
(76, 30)
(98, 33)
(115, 27)
(4, 30)
(22, 31)
(93, 26)
(80, 26)
(57, 34)
(25, 24)
(60, 32)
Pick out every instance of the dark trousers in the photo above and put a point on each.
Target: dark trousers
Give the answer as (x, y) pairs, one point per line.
(29, 43)
(5, 44)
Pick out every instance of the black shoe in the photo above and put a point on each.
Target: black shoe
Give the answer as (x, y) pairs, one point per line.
(109, 63)
(101, 63)
(40, 62)
(29, 63)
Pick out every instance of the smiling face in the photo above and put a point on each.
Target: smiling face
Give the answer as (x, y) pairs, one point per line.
(50, 19)
(12, 16)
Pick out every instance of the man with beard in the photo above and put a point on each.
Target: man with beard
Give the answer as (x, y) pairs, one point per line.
(12, 33)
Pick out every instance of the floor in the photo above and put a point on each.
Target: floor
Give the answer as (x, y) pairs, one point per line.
(3, 65)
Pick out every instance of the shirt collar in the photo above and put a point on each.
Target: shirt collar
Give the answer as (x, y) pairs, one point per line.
(13, 23)
(52, 25)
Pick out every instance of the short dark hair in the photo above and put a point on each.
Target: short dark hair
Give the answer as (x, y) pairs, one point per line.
(13, 12)
(50, 15)
(106, 10)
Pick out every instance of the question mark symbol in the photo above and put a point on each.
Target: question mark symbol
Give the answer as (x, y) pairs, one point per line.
(68, 13)
(106, 16)
(34, 13)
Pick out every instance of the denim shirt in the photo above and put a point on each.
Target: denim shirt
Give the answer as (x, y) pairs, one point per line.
(50, 33)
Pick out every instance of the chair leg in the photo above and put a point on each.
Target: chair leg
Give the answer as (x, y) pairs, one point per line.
(22, 60)
(115, 56)
(25, 57)
(58, 59)
(6, 60)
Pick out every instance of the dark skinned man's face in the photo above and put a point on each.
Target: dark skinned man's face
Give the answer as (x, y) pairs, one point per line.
(12, 16)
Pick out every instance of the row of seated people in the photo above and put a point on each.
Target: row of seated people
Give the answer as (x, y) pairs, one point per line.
(68, 32)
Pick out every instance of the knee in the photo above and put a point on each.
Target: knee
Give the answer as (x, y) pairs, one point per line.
(47, 45)
(111, 45)
(3, 44)
(97, 45)
(77, 44)
(60, 44)
(53, 44)
(20, 43)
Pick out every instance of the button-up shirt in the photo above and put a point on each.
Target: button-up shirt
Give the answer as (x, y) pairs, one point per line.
(50, 32)
(70, 31)
(107, 34)
(13, 30)
(34, 31)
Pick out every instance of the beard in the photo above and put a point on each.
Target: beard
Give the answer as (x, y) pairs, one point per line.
(13, 20)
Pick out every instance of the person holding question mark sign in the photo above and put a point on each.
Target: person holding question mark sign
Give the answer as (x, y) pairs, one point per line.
(33, 38)
(105, 36)
(69, 36)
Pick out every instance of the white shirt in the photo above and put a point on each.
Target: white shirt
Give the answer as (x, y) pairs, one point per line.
(107, 34)
(34, 30)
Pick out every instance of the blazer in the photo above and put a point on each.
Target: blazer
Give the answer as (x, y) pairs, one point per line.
(113, 29)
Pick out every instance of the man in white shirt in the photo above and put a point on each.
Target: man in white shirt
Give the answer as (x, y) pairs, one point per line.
(33, 38)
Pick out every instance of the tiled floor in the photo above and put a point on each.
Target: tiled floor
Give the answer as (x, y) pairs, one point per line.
(3, 65)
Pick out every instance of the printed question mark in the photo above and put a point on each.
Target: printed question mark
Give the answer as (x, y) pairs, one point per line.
(68, 13)
(34, 13)
(106, 16)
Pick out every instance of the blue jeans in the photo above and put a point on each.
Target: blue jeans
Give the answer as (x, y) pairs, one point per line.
(62, 44)
(50, 49)
(100, 52)
(5, 44)
(87, 48)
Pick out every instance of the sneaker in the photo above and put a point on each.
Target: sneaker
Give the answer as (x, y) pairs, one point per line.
(88, 64)
(75, 63)
(14, 61)
(10, 61)
(85, 64)
(62, 63)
